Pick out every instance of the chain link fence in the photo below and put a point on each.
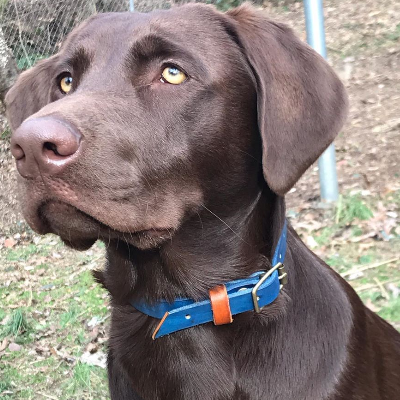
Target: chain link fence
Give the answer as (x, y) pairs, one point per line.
(34, 29)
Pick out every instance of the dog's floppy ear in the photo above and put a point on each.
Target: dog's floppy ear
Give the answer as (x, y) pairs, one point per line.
(301, 102)
(30, 93)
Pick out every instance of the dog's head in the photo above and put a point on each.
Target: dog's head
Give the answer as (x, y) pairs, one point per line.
(142, 119)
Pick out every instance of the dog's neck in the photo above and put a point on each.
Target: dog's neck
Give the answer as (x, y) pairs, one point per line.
(206, 251)
(203, 255)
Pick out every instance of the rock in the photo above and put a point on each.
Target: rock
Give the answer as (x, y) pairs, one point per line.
(14, 347)
(98, 359)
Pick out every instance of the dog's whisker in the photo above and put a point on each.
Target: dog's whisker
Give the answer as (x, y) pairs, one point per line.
(201, 221)
(129, 247)
(109, 237)
(150, 186)
(248, 154)
(216, 216)
(128, 231)
(143, 175)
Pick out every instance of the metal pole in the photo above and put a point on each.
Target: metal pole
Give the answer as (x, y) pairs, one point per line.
(131, 6)
(313, 11)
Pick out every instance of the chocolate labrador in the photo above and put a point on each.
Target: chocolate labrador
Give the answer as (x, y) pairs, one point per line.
(173, 137)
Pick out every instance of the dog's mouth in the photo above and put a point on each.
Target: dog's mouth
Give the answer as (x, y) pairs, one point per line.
(80, 230)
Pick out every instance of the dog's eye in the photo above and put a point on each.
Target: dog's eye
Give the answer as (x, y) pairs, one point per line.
(65, 83)
(173, 75)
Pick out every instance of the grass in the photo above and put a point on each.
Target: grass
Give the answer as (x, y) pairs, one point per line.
(16, 326)
(6, 134)
(395, 35)
(225, 5)
(342, 245)
(350, 208)
(24, 253)
(47, 299)
(352, 258)
(83, 381)
(391, 311)
(29, 60)
(371, 44)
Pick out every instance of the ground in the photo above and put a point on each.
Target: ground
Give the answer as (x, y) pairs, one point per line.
(53, 318)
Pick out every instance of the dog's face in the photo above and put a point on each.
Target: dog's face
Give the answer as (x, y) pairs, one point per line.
(141, 120)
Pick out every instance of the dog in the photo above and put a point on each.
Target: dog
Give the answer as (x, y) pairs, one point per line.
(173, 137)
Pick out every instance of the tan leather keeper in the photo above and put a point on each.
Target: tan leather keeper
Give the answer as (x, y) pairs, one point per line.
(220, 305)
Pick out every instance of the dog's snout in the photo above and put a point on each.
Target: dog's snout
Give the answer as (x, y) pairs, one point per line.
(44, 145)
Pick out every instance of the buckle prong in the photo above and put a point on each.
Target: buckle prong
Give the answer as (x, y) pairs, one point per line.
(282, 279)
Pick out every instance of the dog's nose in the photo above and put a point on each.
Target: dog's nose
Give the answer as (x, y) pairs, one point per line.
(44, 145)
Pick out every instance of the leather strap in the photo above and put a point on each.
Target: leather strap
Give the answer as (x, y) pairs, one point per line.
(220, 305)
(153, 336)
(185, 313)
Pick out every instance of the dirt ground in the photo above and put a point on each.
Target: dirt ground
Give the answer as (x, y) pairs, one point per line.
(363, 41)
(66, 313)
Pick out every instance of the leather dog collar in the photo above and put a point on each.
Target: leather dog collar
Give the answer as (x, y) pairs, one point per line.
(234, 297)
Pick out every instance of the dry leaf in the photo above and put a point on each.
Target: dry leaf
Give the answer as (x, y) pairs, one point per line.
(99, 359)
(92, 348)
(9, 243)
(4, 344)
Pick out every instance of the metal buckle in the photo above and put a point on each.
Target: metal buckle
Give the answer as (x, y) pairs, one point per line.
(283, 277)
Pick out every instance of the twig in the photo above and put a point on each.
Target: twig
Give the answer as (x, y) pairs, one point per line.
(339, 209)
(37, 361)
(57, 307)
(47, 396)
(384, 292)
(30, 297)
(361, 238)
(376, 265)
(373, 285)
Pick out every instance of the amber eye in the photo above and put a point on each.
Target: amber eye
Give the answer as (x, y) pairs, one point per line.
(65, 84)
(173, 75)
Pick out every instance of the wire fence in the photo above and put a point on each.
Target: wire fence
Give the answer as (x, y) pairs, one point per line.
(34, 29)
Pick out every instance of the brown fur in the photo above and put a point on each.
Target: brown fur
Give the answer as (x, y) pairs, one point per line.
(185, 186)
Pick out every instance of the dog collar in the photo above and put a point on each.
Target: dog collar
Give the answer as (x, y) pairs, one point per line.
(231, 298)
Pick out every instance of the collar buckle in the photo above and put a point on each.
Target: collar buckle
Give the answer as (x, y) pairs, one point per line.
(283, 278)
(243, 295)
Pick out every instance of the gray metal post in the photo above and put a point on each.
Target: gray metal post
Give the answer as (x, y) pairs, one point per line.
(131, 6)
(316, 39)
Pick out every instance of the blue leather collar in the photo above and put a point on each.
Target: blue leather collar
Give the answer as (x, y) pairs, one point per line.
(253, 293)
